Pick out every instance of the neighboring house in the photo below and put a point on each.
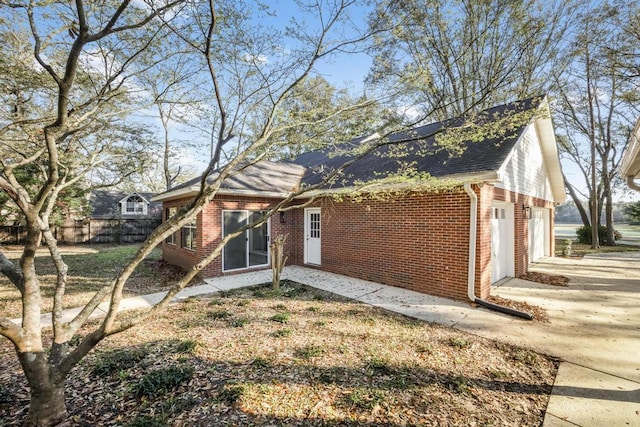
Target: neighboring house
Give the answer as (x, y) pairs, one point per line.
(116, 204)
(115, 217)
(630, 164)
(494, 218)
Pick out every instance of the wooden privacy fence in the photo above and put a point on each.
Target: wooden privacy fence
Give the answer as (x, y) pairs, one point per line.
(90, 231)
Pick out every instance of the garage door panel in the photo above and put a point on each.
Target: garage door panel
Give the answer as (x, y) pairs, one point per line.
(539, 234)
(502, 241)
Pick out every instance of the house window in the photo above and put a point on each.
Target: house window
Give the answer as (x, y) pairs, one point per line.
(134, 205)
(251, 247)
(188, 233)
(169, 212)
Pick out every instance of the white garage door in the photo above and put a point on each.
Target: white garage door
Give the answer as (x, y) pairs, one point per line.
(501, 241)
(539, 234)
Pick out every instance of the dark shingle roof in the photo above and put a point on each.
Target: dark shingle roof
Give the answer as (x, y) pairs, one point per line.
(483, 151)
(472, 153)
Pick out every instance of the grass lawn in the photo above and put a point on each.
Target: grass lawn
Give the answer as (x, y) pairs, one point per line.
(581, 249)
(298, 356)
(90, 268)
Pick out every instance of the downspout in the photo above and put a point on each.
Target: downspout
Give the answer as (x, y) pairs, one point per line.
(471, 271)
(632, 184)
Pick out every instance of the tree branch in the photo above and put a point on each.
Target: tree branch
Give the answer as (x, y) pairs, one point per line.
(12, 272)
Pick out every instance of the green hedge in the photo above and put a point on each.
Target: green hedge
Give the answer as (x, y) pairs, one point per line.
(584, 234)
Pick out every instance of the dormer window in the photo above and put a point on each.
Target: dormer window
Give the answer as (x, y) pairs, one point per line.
(134, 204)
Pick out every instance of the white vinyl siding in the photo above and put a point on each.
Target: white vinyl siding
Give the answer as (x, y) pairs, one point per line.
(524, 171)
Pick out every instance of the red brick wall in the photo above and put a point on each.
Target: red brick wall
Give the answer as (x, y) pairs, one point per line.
(419, 242)
(209, 233)
(174, 254)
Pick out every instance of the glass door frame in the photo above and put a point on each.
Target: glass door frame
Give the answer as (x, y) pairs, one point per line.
(246, 217)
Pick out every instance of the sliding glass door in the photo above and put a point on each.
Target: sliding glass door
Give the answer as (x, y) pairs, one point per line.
(251, 247)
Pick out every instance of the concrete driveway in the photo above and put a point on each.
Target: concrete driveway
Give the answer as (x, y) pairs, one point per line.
(594, 328)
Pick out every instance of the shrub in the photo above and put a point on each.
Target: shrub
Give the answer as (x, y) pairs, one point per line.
(163, 380)
(218, 314)
(231, 393)
(309, 352)
(459, 342)
(584, 234)
(282, 333)
(365, 399)
(239, 323)
(280, 317)
(380, 366)
(118, 360)
(186, 346)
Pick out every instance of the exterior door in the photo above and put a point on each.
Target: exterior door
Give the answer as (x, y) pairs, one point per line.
(502, 242)
(251, 247)
(539, 234)
(312, 234)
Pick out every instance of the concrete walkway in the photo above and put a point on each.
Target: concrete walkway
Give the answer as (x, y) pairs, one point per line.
(594, 326)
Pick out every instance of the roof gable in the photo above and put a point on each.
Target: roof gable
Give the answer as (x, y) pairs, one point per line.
(125, 198)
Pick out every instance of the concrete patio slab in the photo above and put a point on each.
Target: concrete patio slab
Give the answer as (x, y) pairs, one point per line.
(330, 282)
(235, 281)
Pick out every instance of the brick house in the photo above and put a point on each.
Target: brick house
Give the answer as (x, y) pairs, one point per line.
(493, 218)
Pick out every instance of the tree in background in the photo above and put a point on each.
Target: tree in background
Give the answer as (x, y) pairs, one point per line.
(315, 102)
(632, 211)
(452, 57)
(173, 90)
(596, 107)
(99, 150)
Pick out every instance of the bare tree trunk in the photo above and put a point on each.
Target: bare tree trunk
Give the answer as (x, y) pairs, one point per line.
(47, 407)
(610, 235)
(278, 259)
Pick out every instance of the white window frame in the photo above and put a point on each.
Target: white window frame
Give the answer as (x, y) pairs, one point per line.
(189, 230)
(137, 207)
(169, 212)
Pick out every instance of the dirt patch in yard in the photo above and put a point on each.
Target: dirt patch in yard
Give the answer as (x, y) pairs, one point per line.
(297, 356)
(539, 314)
(547, 279)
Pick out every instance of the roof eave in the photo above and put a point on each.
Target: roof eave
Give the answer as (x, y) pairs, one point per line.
(455, 179)
(193, 190)
(549, 145)
(630, 163)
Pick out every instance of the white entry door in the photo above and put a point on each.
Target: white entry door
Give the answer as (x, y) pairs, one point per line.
(502, 243)
(312, 233)
(539, 234)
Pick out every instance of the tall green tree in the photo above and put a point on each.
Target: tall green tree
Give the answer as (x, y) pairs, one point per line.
(327, 115)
